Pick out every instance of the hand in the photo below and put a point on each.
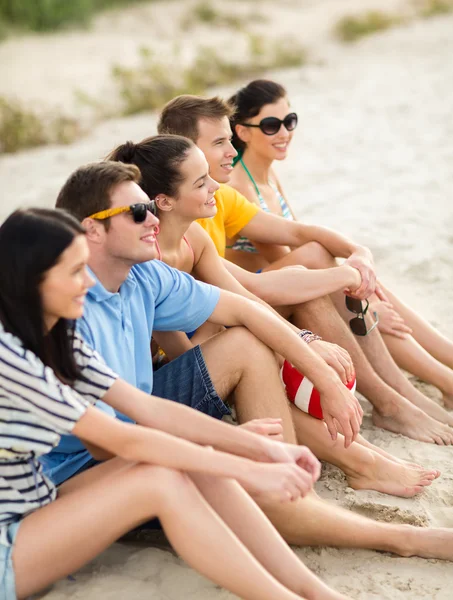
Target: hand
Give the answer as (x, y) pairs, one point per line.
(342, 413)
(390, 321)
(363, 261)
(271, 428)
(336, 357)
(283, 482)
(301, 455)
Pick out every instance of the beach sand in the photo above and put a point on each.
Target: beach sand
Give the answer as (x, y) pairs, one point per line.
(372, 158)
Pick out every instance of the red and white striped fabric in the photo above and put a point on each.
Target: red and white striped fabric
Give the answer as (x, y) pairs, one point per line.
(300, 390)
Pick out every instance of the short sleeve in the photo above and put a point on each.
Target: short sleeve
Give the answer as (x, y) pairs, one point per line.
(95, 378)
(238, 211)
(181, 302)
(29, 386)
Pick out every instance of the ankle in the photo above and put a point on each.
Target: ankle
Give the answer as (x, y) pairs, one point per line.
(362, 466)
(400, 541)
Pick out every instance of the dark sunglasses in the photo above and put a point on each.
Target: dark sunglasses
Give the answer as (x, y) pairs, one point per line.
(271, 125)
(138, 211)
(358, 324)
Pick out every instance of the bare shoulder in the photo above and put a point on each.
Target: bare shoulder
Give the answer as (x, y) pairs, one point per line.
(198, 239)
(241, 183)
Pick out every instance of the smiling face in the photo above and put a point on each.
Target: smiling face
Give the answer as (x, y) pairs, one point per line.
(125, 240)
(214, 139)
(65, 285)
(195, 197)
(270, 147)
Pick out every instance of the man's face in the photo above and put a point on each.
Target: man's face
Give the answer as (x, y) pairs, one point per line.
(214, 139)
(125, 240)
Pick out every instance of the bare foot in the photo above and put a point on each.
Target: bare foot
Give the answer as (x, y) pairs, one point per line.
(412, 422)
(389, 477)
(431, 408)
(425, 542)
(400, 461)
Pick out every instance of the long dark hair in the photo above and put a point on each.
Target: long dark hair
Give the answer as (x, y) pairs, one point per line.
(249, 100)
(159, 159)
(31, 243)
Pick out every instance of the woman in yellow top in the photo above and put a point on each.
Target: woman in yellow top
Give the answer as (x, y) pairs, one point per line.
(184, 192)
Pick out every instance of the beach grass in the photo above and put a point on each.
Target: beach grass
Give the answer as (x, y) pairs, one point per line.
(22, 127)
(351, 28)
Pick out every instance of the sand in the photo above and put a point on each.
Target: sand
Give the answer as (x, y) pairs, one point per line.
(373, 159)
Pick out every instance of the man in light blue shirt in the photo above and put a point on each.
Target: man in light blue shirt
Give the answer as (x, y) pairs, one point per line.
(134, 295)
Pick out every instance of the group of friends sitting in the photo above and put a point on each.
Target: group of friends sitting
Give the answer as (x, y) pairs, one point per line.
(171, 284)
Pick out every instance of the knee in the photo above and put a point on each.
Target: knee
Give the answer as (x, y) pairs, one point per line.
(244, 345)
(316, 256)
(161, 485)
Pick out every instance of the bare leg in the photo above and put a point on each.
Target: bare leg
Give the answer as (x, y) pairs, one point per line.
(392, 411)
(59, 538)
(363, 466)
(242, 516)
(416, 360)
(314, 522)
(434, 342)
(238, 362)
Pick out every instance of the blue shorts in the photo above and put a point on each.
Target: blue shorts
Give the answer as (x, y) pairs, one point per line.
(185, 380)
(7, 580)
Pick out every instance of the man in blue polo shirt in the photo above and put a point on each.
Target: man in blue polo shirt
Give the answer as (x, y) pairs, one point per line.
(134, 295)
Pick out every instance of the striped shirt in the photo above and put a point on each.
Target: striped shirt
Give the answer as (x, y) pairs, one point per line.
(36, 408)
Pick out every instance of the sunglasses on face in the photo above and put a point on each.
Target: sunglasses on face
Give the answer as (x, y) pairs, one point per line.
(138, 211)
(271, 125)
(358, 324)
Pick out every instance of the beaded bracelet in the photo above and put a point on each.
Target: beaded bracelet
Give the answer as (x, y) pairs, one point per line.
(308, 336)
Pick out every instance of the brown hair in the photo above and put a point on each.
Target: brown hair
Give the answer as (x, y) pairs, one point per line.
(159, 159)
(181, 115)
(248, 102)
(87, 191)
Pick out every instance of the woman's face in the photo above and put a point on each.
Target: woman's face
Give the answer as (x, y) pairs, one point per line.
(196, 193)
(65, 285)
(271, 147)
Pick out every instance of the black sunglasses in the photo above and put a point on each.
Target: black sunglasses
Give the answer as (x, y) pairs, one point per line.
(271, 125)
(358, 324)
(138, 211)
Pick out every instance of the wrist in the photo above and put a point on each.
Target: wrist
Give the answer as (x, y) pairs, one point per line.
(353, 277)
(308, 336)
(362, 251)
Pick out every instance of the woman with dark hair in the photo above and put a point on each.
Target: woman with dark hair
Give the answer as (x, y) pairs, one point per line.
(263, 125)
(49, 379)
(175, 176)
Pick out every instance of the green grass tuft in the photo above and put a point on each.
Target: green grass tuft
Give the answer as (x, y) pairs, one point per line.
(350, 29)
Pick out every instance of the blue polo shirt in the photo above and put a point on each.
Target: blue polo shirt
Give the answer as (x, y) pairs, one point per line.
(119, 327)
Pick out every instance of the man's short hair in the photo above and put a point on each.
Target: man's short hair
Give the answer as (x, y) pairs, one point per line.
(88, 189)
(181, 115)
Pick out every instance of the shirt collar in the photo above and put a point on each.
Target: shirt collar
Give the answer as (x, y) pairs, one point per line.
(100, 294)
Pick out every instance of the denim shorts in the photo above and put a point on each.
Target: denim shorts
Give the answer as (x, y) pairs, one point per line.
(7, 581)
(186, 380)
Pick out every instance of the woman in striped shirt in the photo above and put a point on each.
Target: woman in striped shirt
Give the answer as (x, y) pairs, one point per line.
(49, 379)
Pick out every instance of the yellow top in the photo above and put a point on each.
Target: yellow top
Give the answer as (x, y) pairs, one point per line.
(234, 211)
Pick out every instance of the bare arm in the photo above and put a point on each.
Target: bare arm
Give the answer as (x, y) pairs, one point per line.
(184, 422)
(141, 444)
(295, 285)
(173, 343)
(339, 405)
(210, 268)
(272, 229)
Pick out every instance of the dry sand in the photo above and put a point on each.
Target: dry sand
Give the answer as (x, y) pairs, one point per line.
(372, 158)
